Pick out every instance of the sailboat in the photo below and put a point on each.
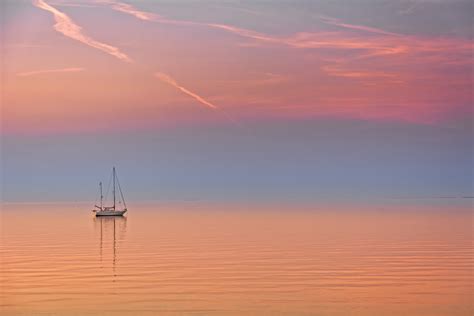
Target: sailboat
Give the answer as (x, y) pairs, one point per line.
(101, 210)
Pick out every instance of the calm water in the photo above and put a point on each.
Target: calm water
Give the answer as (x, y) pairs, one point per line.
(195, 259)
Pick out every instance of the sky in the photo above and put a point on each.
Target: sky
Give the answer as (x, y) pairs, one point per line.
(237, 100)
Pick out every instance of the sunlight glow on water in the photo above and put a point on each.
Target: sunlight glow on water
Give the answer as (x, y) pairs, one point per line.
(193, 259)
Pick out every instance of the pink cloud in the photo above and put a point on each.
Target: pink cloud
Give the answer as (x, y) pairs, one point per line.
(165, 78)
(337, 22)
(341, 72)
(369, 70)
(47, 71)
(129, 9)
(66, 26)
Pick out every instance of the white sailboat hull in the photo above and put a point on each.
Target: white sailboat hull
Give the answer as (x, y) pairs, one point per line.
(110, 212)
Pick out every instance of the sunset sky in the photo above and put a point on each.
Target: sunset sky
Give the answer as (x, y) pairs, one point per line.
(237, 99)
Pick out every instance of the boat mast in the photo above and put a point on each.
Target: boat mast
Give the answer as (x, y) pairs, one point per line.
(121, 194)
(101, 196)
(113, 172)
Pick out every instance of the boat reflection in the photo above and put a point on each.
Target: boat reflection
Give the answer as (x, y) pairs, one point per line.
(112, 231)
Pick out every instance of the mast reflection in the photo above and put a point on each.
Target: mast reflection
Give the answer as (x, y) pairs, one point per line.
(111, 231)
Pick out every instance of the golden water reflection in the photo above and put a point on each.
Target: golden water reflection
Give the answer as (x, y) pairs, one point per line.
(187, 259)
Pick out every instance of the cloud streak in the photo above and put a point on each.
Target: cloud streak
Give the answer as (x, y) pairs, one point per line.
(298, 40)
(337, 22)
(383, 43)
(47, 71)
(361, 58)
(128, 9)
(341, 72)
(66, 26)
(165, 78)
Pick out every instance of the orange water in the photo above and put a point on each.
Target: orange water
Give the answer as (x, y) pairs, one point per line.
(196, 259)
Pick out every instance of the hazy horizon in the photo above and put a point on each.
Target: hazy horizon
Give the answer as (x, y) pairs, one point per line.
(360, 159)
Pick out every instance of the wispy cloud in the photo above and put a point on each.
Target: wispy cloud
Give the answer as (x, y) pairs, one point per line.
(129, 9)
(341, 72)
(165, 78)
(66, 26)
(62, 3)
(47, 71)
(371, 57)
(337, 22)
(246, 33)
(304, 40)
(383, 43)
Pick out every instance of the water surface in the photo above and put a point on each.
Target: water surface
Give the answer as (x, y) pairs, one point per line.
(208, 259)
